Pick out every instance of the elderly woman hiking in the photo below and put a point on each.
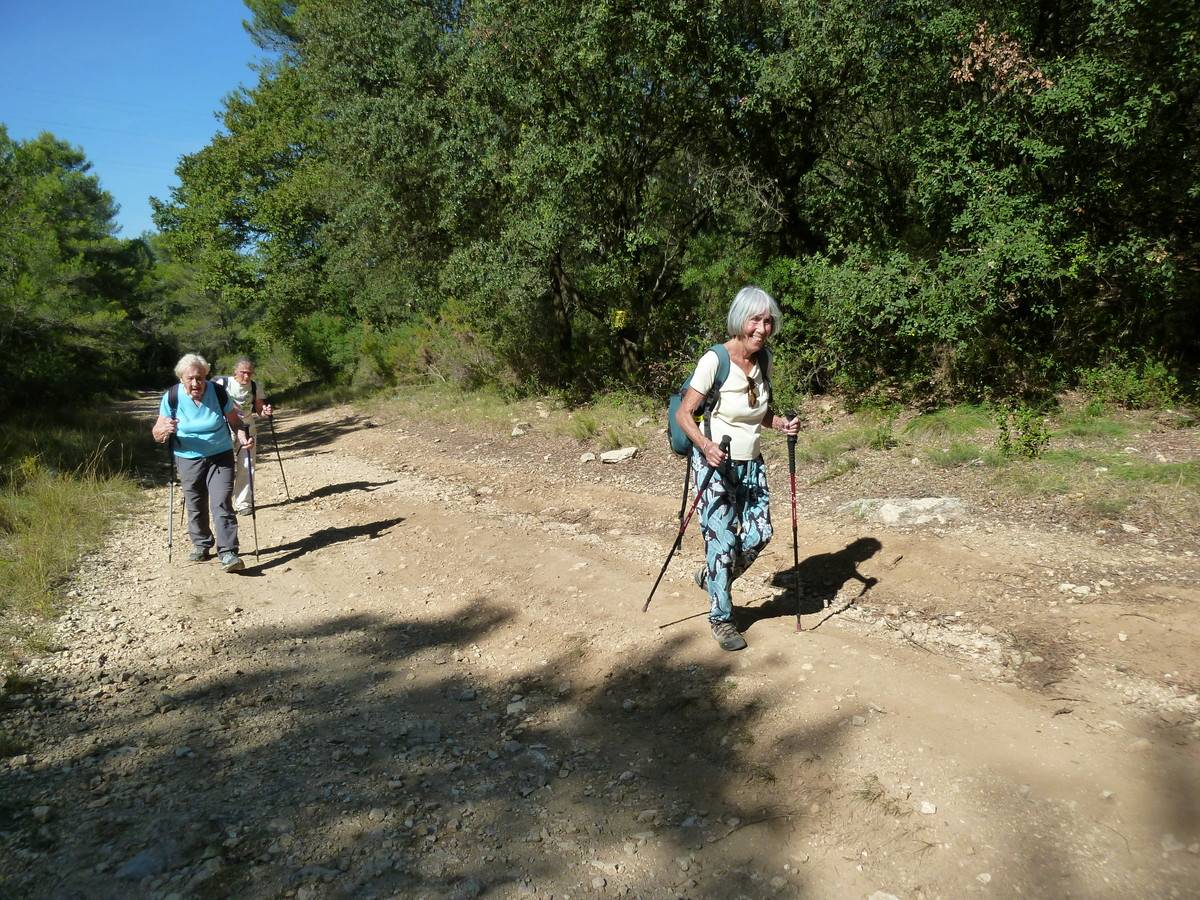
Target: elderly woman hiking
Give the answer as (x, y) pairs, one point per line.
(734, 509)
(197, 417)
(249, 396)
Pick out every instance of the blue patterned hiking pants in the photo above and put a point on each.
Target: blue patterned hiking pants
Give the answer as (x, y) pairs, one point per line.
(735, 518)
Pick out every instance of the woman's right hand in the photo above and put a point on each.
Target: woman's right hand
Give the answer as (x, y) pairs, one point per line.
(165, 428)
(713, 455)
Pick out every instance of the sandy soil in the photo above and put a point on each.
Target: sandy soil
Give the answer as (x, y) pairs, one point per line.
(436, 680)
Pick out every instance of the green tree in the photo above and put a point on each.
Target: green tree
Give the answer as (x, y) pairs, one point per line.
(70, 291)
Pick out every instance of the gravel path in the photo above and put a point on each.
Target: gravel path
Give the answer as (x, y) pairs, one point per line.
(436, 681)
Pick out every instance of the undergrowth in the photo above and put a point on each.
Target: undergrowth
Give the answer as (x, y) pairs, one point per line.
(61, 489)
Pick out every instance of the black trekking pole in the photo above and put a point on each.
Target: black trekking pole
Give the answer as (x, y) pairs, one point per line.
(171, 495)
(795, 552)
(275, 441)
(684, 524)
(687, 484)
(250, 482)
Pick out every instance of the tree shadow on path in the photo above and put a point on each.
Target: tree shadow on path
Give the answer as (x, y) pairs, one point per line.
(298, 437)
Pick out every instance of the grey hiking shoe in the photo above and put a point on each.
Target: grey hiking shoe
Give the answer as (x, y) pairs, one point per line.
(198, 554)
(727, 635)
(701, 578)
(231, 562)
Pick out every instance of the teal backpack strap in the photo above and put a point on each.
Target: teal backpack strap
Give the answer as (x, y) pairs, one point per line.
(713, 400)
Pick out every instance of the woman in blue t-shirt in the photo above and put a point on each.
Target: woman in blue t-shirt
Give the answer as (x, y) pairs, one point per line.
(198, 426)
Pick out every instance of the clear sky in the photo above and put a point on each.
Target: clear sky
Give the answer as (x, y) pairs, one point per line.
(135, 83)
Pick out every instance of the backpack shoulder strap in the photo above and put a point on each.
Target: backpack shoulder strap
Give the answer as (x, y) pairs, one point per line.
(173, 400)
(722, 365)
(713, 399)
(222, 395)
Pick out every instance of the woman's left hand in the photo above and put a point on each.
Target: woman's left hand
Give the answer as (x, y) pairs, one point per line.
(788, 426)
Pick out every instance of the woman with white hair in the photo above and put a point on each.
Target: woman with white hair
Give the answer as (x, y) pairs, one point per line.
(196, 418)
(734, 509)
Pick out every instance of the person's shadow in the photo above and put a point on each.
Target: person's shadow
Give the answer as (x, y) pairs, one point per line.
(821, 576)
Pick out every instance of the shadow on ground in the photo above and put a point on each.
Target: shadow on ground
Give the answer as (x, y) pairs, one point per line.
(318, 540)
(369, 757)
(821, 577)
(331, 490)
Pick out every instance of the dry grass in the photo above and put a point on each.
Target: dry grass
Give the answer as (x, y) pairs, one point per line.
(49, 517)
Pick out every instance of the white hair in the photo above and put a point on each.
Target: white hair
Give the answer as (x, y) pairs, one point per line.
(191, 361)
(750, 301)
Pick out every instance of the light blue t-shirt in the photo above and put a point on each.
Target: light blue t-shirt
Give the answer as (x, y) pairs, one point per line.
(202, 430)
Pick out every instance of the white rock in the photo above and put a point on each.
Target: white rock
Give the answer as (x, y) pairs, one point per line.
(517, 431)
(1171, 844)
(1130, 529)
(926, 808)
(1122, 636)
(883, 895)
(906, 510)
(587, 457)
(984, 877)
(616, 456)
(644, 420)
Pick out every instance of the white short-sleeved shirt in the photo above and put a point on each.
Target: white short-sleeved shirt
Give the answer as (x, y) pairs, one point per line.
(241, 395)
(733, 415)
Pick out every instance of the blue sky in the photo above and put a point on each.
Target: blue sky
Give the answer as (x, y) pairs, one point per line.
(135, 84)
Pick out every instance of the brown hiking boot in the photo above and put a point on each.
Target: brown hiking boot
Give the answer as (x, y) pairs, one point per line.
(727, 635)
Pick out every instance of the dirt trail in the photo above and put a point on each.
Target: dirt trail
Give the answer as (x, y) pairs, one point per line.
(437, 682)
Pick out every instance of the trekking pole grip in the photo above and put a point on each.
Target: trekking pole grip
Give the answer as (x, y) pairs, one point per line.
(791, 438)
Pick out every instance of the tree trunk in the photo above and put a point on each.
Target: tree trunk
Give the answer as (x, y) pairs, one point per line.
(562, 298)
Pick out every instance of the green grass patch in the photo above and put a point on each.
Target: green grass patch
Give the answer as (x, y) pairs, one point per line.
(835, 468)
(1083, 425)
(105, 442)
(1042, 481)
(582, 425)
(47, 522)
(63, 481)
(829, 447)
(1179, 475)
(953, 421)
(618, 436)
(957, 454)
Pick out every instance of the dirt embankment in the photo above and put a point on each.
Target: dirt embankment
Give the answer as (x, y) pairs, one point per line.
(436, 681)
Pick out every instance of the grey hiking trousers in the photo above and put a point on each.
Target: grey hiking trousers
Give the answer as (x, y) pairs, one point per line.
(209, 478)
